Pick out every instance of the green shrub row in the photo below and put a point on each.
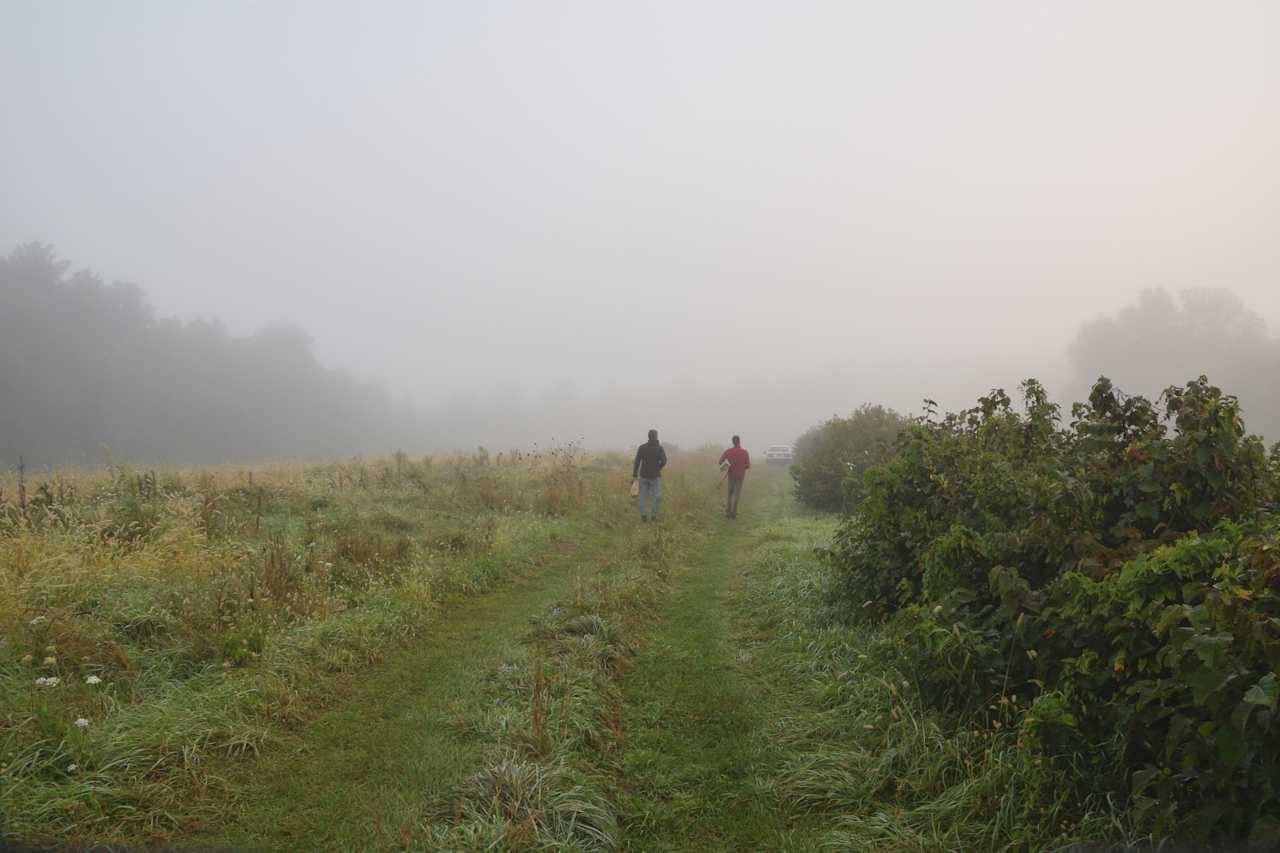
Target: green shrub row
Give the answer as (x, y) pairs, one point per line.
(1114, 581)
(830, 458)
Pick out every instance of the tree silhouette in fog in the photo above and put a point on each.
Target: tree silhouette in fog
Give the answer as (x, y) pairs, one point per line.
(88, 365)
(1165, 340)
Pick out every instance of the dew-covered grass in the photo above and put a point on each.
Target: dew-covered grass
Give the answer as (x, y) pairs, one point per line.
(152, 621)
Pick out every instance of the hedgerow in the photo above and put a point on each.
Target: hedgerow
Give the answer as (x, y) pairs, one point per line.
(830, 458)
(1114, 582)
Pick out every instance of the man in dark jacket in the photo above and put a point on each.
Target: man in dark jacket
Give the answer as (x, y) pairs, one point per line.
(650, 460)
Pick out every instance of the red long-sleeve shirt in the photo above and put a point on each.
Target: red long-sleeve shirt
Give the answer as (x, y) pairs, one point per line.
(739, 461)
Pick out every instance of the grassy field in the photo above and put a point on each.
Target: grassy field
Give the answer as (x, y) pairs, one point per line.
(154, 625)
(469, 654)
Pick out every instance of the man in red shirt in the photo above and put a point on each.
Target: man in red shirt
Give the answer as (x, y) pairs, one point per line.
(739, 460)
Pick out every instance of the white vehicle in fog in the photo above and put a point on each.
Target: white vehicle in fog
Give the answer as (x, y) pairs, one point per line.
(779, 453)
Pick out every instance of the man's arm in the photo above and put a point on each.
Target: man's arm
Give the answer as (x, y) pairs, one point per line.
(662, 457)
(722, 457)
(635, 466)
(746, 456)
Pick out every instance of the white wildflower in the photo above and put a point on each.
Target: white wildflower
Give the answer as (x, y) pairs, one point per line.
(82, 723)
(72, 768)
(27, 658)
(39, 620)
(48, 681)
(93, 679)
(50, 661)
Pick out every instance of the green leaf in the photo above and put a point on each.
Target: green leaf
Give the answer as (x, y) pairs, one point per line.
(1199, 824)
(1204, 682)
(1179, 729)
(1149, 510)
(1266, 692)
(1265, 831)
(1143, 778)
(1230, 746)
(1211, 648)
(1240, 716)
(1171, 616)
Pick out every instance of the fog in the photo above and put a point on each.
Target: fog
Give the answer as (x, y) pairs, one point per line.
(515, 223)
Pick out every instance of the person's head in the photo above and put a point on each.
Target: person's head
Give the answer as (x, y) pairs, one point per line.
(737, 442)
(653, 435)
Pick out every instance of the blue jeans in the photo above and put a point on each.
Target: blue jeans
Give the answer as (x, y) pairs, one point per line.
(650, 489)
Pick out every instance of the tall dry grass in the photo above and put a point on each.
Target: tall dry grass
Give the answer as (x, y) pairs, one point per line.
(152, 619)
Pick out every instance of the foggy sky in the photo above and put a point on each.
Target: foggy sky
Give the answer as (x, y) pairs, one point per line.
(673, 207)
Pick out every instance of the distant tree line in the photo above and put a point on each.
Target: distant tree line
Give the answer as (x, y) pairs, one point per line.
(89, 369)
(1200, 331)
(1203, 331)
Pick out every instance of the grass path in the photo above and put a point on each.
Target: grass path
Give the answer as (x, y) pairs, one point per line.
(359, 773)
(699, 768)
(700, 764)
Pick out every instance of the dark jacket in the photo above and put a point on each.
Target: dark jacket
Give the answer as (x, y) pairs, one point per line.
(650, 459)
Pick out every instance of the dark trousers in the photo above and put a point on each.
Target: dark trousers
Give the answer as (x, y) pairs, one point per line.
(735, 492)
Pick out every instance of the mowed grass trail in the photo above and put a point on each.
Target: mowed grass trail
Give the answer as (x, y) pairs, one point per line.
(357, 776)
(697, 761)
(700, 765)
